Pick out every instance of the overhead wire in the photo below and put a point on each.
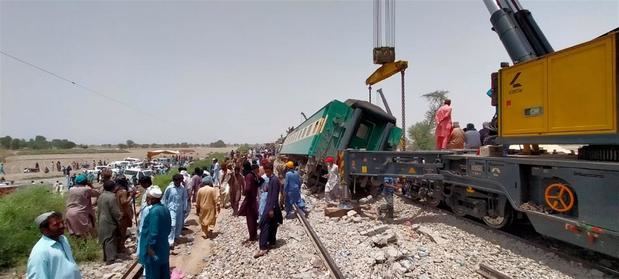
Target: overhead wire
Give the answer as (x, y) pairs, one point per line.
(84, 87)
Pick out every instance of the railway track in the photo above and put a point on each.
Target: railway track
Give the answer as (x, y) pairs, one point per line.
(134, 272)
(530, 237)
(322, 251)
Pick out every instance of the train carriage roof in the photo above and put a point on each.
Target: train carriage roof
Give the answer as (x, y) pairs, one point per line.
(372, 108)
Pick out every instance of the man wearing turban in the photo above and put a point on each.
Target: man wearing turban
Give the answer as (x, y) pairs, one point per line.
(80, 216)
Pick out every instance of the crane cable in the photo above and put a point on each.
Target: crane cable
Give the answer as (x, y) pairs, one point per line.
(403, 137)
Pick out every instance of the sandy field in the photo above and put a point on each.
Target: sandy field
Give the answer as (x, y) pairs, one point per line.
(14, 165)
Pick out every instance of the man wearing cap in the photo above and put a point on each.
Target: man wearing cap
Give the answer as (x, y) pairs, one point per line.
(333, 180)
(80, 216)
(175, 199)
(154, 250)
(51, 256)
(207, 206)
(456, 138)
(292, 187)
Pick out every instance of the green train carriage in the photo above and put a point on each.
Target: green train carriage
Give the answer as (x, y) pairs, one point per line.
(336, 126)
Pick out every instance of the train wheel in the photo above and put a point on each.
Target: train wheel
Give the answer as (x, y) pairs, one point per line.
(435, 196)
(458, 211)
(499, 222)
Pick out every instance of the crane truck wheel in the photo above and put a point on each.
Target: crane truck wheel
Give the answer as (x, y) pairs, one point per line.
(499, 222)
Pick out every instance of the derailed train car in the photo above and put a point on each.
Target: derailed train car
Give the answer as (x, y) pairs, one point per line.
(339, 125)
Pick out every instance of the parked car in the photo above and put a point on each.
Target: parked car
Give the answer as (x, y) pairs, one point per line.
(97, 170)
(135, 174)
(119, 164)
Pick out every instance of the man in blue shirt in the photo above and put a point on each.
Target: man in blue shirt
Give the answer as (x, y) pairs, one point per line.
(154, 251)
(292, 188)
(388, 190)
(51, 256)
(175, 199)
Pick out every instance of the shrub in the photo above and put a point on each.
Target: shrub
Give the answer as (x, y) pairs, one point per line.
(19, 233)
(163, 180)
(86, 250)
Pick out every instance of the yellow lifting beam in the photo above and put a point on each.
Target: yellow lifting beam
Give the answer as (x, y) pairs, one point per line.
(385, 71)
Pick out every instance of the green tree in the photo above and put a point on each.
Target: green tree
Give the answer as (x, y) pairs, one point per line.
(422, 133)
(40, 142)
(16, 144)
(435, 101)
(130, 143)
(421, 136)
(219, 143)
(5, 142)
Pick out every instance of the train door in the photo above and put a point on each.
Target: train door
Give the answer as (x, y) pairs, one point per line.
(361, 139)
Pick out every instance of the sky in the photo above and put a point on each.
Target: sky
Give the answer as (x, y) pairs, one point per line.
(243, 71)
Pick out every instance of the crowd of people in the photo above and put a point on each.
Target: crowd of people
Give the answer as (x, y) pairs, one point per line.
(107, 210)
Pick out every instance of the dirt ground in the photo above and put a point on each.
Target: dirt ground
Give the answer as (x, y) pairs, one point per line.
(190, 258)
(14, 165)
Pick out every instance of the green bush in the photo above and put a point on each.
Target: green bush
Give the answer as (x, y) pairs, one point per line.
(243, 149)
(86, 250)
(206, 163)
(163, 180)
(19, 233)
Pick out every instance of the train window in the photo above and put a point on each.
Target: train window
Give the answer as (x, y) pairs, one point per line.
(323, 121)
(362, 131)
(316, 125)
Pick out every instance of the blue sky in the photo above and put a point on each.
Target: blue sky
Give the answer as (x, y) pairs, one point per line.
(242, 71)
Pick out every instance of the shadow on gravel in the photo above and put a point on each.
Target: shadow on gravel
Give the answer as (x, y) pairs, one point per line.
(279, 243)
(211, 236)
(190, 222)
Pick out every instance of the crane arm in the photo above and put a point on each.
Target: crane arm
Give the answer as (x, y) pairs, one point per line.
(385, 71)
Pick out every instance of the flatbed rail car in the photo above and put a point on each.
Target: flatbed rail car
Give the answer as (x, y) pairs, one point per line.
(572, 200)
(336, 126)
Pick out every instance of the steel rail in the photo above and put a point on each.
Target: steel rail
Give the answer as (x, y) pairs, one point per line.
(488, 272)
(134, 271)
(324, 254)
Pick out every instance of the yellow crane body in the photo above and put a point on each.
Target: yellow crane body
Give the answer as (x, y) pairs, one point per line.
(569, 96)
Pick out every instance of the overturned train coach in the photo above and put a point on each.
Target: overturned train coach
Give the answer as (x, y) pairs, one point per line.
(339, 125)
(566, 97)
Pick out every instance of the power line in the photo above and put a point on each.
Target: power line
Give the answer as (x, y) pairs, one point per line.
(72, 82)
